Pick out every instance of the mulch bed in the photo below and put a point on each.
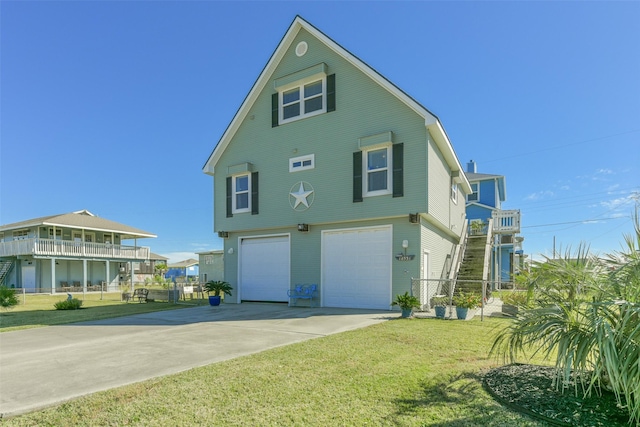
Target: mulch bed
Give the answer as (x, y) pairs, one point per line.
(529, 389)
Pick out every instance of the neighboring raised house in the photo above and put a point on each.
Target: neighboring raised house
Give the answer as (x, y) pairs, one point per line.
(142, 270)
(485, 204)
(76, 251)
(211, 264)
(183, 271)
(329, 174)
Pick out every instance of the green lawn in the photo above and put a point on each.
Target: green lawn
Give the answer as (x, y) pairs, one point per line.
(38, 310)
(405, 372)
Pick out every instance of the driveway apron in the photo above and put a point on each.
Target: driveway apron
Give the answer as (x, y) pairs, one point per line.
(46, 366)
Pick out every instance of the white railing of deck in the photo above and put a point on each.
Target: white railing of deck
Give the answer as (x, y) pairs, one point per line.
(66, 248)
(506, 221)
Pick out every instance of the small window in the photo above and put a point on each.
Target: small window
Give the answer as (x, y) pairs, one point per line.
(303, 101)
(378, 178)
(302, 163)
(58, 235)
(241, 192)
(474, 196)
(454, 193)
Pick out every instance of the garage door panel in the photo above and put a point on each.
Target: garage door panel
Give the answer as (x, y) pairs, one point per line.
(357, 268)
(265, 269)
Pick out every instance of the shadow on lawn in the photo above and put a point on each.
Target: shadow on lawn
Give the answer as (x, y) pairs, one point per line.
(471, 404)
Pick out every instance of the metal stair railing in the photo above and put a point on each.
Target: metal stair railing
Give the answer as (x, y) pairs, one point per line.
(5, 269)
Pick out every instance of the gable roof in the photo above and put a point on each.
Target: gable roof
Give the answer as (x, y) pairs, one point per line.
(431, 121)
(502, 189)
(82, 220)
(184, 264)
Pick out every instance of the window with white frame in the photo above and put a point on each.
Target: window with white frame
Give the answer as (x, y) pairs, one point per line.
(20, 234)
(302, 163)
(454, 193)
(304, 100)
(475, 193)
(241, 192)
(58, 234)
(376, 165)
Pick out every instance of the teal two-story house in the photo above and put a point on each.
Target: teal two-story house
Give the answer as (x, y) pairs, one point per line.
(329, 174)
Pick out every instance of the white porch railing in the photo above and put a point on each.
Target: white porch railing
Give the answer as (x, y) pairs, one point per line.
(66, 248)
(506, 222)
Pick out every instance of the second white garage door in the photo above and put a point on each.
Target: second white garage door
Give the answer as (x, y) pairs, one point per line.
(356, 268)
(264, 269)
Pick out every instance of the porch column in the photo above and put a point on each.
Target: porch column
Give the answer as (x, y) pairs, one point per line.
(131, 277)
(53, 275)
(107, 279)
(84, 275)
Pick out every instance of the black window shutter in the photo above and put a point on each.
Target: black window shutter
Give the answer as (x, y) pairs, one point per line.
(331, 93)
(254, 193)
(274, 110)
(229, 197)
(357, 176)
(398, 161)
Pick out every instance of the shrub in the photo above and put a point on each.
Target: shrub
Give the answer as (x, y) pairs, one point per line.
(8, 298)
(68, 304)
(588, 317)
(518, 298)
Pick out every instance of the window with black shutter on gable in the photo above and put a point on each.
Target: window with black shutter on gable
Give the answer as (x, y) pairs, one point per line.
(242, 190)
(378, 167)
(303, 94)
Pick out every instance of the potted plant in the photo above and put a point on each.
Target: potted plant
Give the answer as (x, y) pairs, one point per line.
(406, 303)
(440, 303)
(217, 288)
(464, 301)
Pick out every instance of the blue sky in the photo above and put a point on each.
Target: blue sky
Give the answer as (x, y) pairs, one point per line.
(114, 106)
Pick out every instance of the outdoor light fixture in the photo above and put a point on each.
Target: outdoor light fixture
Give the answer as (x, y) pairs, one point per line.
(303, 227)
(223, 234)
(405, 244)
(414, 218)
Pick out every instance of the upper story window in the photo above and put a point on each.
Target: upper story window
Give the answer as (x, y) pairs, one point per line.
(475, 193)
(21, 234)
(241, 192)
(302, 101)
(302, 94)
(454, 193)
(302, 163)
(58, 234)
(376, 166)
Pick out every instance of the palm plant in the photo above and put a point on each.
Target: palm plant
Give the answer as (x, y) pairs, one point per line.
(587, 312)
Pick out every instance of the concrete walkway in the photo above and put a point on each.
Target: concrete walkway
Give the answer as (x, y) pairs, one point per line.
(46, 366)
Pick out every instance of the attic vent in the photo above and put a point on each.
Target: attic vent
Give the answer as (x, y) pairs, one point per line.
(301, 48)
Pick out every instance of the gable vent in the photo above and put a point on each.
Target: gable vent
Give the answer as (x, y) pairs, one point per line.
(302, 48)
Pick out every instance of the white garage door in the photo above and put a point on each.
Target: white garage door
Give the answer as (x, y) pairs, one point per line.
(264, 269)
(356, 270)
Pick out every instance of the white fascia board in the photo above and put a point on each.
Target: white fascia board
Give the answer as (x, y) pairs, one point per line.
(265, 75)
(440, 137)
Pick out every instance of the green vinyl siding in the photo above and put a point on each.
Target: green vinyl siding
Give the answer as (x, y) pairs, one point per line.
(363, 108)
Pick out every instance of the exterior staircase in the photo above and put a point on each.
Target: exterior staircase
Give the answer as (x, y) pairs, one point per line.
(472, 268)
(5, 268)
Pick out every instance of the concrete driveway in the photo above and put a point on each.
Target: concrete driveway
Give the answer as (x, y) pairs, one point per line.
(45, 366)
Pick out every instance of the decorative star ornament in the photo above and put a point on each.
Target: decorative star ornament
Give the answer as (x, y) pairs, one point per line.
(301, 196)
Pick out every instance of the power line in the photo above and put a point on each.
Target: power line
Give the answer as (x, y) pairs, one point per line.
(561, 146)
(573, 222)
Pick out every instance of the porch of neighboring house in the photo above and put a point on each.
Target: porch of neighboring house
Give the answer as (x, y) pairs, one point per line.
(52, 265)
